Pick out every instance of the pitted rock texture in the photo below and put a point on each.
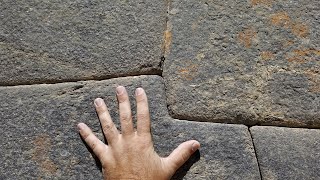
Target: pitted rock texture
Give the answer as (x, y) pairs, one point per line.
(248, 62)
(58, 41)
(40, 139)
(287, 153)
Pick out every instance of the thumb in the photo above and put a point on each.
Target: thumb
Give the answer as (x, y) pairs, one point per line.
(181, 154)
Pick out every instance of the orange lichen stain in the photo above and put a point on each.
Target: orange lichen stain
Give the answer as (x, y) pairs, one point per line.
(296, 59)
(261, 2)
(314, 81)
(41, 154)
(281, 19)
(167, 42)
(246, 37)
(307, 52)
(266, 55)
(189, 72)
(302, 55)
(300, 29)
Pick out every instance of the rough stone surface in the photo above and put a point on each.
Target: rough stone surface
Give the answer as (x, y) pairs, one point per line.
(249, 62)
(56, 41)
(39, 138)
(287, 153)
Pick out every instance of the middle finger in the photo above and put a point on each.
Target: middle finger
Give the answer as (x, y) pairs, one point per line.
(124, 111)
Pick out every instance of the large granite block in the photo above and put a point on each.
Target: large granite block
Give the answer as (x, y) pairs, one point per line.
(40, 140)
(287, 153)
(249, 62)
(56, 41)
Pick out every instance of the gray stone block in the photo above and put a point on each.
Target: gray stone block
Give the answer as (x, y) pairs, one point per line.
(287, 153)
(56, 41)
(40, 140)
(248, 62)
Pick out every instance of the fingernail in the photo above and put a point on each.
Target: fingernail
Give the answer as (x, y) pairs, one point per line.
(98, 102)
(139, 91)
(120, 90)
(195, 146)
(81, 126)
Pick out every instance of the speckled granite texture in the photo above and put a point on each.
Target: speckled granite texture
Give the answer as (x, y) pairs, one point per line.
(249, 62)
(41, 141)
(214, 71)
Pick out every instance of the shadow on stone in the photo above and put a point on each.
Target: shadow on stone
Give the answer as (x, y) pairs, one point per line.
(183, 170)
(96, 159)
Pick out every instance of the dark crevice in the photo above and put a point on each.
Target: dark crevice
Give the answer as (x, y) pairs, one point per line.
(245, 122)
(165, 44)
(161, 63)
(249, 122)
(77, 87)
(153, 71)
(255, 152)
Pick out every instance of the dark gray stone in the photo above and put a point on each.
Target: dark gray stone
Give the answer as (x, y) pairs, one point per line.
(226, 150)
(287, 153)
(40, 140)
(248, 62)
(56, 41)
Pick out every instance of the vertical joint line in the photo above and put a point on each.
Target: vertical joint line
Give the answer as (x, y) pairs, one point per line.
(166, 36)
(255, 153)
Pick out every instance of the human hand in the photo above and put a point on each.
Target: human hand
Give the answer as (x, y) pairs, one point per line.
(130, 154)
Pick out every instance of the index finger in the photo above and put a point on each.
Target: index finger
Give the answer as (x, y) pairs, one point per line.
(109, 129)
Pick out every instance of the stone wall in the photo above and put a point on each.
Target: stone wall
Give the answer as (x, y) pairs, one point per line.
(227, 73)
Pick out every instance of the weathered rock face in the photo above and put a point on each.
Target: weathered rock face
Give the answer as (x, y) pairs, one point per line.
(40, 140)
(287, 153)
(249, 62)
(56, 41)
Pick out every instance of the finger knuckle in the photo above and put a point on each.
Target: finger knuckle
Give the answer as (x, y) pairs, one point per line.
(101, 110)
(142, 116)
(125, 117)
(94, 145)
(103, 115)
(184, 157)
(122, 98)
(85, 135)
(107, 127)
(140, 99)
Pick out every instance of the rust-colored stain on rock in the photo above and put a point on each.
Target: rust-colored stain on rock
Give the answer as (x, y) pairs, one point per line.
(167, 42)
(189, 72)
(261, 2)
(299, 29)
(246, 37)
(41, 154)
(267, 55)
(303, 55)
(288, 43)
(282, 19)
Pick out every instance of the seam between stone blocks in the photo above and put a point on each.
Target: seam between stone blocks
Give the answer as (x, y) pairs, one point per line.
(255, 152)
(108, 77)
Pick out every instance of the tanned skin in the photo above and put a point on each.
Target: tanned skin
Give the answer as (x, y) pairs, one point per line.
(130, 153)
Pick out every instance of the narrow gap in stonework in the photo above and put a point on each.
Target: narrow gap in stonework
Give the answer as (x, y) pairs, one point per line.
(255, 152)
(164, 52)
(101, 78)
(166, 44)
